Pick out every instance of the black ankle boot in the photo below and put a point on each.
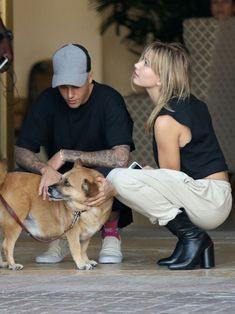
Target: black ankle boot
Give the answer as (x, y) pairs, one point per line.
(173, 258)
(178, 249)
(196, 246)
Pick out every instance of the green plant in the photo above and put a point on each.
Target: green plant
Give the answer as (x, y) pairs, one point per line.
(146, 20)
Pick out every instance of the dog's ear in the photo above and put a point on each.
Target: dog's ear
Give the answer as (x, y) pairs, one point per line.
(90, 188)
(77, 164)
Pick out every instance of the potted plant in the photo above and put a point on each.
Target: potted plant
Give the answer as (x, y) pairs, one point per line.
(146, 20)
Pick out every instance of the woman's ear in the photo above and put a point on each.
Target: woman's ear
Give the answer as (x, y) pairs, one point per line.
(159, 83)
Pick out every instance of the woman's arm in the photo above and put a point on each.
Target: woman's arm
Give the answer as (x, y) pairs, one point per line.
(170, 135)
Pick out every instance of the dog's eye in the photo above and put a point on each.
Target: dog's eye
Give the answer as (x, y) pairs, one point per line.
(66, 183)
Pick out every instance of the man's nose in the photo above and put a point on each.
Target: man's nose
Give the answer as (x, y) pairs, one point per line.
(70, 92)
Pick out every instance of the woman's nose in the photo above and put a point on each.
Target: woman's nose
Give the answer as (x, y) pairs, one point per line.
(138, 65)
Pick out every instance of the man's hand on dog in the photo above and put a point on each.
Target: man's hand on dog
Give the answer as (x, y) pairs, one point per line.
(49, 176)
(106, 191)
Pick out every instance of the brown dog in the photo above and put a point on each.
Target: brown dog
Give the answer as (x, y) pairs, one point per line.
(47, 219)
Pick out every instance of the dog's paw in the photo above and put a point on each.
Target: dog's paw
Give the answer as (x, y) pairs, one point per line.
(93, 263)
(15, 267)
(87, 266)
(3, 265)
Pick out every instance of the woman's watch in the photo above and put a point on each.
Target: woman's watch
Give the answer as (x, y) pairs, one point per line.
(6, 34)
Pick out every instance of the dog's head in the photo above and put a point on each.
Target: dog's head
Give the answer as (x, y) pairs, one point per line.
(75, 185)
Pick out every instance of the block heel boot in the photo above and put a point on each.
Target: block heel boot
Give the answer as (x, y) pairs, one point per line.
(197, 248)
(173, 257)
(172, 227)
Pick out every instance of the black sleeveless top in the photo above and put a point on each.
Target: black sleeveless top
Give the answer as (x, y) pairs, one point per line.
(202, 156)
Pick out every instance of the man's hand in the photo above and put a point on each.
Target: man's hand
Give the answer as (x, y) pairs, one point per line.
(49, 176)
(106, 191)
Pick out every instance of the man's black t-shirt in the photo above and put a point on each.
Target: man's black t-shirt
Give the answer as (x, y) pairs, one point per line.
(101, 123)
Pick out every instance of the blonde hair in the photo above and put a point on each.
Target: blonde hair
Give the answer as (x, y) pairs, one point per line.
(171, 62)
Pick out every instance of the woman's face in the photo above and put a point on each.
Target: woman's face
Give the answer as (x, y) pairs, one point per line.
(221, 9)
(144, 75)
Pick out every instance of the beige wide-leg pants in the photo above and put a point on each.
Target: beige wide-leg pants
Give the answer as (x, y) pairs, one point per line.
(160, 193)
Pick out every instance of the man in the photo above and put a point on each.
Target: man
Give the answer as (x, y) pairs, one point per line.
(77, 118)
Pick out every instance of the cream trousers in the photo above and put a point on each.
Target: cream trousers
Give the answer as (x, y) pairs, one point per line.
(160, 193)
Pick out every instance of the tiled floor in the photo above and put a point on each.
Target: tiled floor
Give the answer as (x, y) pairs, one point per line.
(137, 285)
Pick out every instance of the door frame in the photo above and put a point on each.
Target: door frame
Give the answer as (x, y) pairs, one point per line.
(6, 96)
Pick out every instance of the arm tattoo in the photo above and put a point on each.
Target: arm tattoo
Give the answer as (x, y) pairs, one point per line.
(118, 156)
(28, 160)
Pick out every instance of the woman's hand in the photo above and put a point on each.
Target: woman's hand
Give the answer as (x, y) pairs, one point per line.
(49, 176)
(106, 191)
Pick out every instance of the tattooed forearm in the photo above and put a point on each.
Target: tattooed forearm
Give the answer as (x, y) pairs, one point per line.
(118, 156)
(28, 160)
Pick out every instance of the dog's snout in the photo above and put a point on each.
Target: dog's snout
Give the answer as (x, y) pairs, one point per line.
(50, 188)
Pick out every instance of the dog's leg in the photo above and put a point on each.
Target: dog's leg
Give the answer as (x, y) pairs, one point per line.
(2, 264)
(84, 246)
(8, 246)
(75, 248)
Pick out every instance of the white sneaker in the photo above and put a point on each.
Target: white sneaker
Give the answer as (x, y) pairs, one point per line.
(56, 252)
(111, 251)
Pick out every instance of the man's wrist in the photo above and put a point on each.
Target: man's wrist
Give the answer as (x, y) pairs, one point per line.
(62, 155)
(43, 168)
(69, 155)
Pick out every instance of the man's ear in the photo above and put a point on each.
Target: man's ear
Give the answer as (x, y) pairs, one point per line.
(90, 77)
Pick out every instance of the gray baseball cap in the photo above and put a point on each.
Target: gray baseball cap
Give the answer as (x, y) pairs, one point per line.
(71, 65)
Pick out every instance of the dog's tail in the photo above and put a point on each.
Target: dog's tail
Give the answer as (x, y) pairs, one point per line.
(3, 171)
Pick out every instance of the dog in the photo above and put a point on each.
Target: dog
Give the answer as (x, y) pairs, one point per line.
(49, 218)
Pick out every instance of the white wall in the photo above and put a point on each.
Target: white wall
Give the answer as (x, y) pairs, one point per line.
(42, 26)
(118, 62)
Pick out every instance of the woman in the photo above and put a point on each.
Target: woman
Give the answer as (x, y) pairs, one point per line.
(190, 192)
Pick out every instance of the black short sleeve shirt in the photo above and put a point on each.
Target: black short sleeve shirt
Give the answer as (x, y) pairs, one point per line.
(101, 123)
(202, 156)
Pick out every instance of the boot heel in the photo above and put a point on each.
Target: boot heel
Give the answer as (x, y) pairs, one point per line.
(207, 257)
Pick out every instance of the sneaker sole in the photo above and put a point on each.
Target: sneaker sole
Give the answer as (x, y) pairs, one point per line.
(47, 261)
(110, 259)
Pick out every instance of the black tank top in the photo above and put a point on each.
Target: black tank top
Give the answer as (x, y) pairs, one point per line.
(203, 155)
